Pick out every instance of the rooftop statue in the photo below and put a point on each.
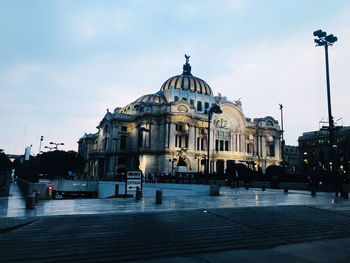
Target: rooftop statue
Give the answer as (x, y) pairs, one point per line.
(187, 58)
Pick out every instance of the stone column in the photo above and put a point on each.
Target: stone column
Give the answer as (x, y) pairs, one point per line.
(212, 139)
(255, 146)
(166, 135)
(277, 148)
(148, 136)
(263, 146)
(172, 136)
(243, 146)
(195, 138)
(191, 138)
(232, 142)
(258, 145)
(212, 166)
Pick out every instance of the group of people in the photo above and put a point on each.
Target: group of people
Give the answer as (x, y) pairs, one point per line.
(161, 177)
(334, 177)
(234, 179)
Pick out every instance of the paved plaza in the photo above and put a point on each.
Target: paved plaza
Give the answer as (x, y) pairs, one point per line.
(190, 226)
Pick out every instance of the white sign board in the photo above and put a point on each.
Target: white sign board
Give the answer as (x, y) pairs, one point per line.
(133, 180)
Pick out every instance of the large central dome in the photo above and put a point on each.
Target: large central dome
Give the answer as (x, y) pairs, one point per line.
(186, 81)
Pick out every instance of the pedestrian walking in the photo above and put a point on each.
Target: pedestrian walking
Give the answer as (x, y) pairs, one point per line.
(236, 179)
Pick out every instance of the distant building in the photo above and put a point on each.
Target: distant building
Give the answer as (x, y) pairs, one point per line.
(168, 131)
(292, 159)
(314, 148)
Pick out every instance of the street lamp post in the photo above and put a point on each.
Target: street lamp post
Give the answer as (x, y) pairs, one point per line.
(328, 40)
(56, 144)
(213, 109)
(282, 148)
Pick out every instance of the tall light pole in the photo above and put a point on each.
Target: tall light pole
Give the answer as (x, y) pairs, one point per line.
(56, 144)
(328, 40)
(282, 148)
(213, 109)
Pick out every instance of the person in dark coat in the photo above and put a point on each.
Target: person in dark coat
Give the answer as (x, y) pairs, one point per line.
(338, 182)
(236, 178)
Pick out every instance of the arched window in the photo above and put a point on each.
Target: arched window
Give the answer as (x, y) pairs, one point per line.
(176, 98)
(199, 106)
(192, 102)
(206, 105)
(184, 99)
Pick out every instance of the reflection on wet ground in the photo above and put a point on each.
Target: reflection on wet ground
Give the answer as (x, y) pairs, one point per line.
(175, 197)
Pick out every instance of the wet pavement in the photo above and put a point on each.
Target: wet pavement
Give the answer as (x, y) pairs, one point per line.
(175, 197)
(190, 226)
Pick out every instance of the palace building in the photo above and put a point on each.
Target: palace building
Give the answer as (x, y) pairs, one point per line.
(168, 131)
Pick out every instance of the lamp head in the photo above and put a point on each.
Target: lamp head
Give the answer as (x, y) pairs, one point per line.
(318, 42)
(331, 38)
(319, 33)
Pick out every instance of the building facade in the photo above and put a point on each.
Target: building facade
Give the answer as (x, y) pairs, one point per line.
(292, 159)
(315, 150)
(168, 131)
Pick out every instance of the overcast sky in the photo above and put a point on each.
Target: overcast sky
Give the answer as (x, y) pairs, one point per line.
(63, 63)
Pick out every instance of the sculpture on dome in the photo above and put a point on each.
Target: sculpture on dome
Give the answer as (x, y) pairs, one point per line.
(187, 67)
(187, 58)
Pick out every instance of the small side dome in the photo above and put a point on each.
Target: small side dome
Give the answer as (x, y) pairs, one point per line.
(155, 98)
(186, 81)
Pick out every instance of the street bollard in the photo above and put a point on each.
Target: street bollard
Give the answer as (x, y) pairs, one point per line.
(30, 201)
(214, 189)
(138, 193)
(48, 194)
(285, 189)
(263, 188)
(246, 186)
(116, 190)
(313, 191)
(36, 196)
(159, 196)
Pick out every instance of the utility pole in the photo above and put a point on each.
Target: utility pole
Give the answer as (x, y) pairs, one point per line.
(282, 142)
